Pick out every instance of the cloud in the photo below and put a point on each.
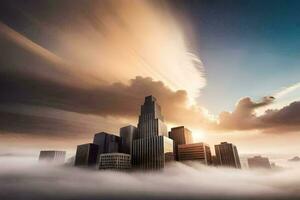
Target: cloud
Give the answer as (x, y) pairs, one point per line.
(177, 181)
(110, 41)
(117, 99)
(286, 119)
(272, 120)
(100, 59)
(287, 90)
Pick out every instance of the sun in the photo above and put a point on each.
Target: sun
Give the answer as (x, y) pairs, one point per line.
(198, 135)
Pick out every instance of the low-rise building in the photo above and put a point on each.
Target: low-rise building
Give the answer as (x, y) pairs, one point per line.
(259, 162)
(114, 161)
(52, 156)
(195, 152)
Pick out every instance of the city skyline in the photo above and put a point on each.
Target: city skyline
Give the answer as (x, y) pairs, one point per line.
(149, 99)
(149, 146)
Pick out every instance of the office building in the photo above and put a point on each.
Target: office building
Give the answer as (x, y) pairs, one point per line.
(195, 152)
(259, 162)
(180, 135)
(151, 121)
(115, 161)
(86, 154)
(127, 134)
(52, 156)
(108, 143)
(152, 152)
(152, 149)
(227, 155)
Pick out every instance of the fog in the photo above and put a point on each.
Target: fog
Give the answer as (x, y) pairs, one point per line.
(26, 179)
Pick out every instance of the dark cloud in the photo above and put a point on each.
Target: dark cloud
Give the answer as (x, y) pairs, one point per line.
(39, 125)
(33, 80)
(276, 120)
(286, 119)
(116, 99)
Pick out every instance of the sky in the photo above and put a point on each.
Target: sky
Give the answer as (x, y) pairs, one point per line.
(227, 70)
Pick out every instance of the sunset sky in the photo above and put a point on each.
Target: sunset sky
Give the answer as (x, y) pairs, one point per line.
(227, 71)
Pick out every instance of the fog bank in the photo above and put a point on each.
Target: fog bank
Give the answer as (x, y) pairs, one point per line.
(30, 180)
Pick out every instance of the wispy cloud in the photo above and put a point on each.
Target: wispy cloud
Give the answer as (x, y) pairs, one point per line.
(287, 90)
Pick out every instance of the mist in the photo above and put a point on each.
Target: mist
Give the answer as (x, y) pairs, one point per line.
(26, 179)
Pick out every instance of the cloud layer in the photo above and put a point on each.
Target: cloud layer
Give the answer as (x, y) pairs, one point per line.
(175, 182)
(117, 99)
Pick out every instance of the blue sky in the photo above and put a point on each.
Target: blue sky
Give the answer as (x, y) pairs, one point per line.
(249, 48)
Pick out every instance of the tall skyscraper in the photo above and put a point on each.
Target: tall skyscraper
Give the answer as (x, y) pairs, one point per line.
(127, 134)
(86, 154)
(227, 155)
(180, 135)
(195, 152)
(152, 148)
(151, 121)
(259, 162)
(52, 156)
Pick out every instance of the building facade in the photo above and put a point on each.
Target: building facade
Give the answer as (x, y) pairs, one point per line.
(152, 148)
(86, 154)
(152, 152)
(259, 162)
(180, 135)
(127, 134)
(195, 152)
(227, 155)
(115, 161)
(108, 143)
(52, 156)
(151, 121)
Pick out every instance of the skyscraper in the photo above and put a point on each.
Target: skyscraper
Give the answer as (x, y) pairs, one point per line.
(152, 148)
(151, 121)
(86, 154)
(128, 134)
(52, 156)
(259, 162)
(195, 152)
(180, 135)
(227, 155)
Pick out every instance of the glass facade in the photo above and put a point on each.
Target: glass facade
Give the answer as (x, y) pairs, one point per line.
(152, 152)
(86, 154)
(108, 143)
(152, 148)
(128, 134)
(151, 121)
